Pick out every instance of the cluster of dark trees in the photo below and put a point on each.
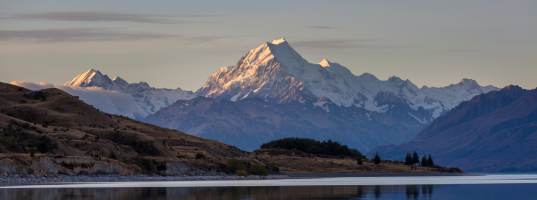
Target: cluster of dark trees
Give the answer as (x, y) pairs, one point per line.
(414, 159)
(311, 146)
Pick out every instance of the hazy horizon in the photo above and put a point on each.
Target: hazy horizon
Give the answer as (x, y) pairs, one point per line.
(179, 44)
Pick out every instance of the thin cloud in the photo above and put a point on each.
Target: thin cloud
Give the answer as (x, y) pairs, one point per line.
(106, 100)
(203, 39)
(78, 35)
(459, 50)
(345, 44)
(32, 86)
(97, 16)
(320, 27)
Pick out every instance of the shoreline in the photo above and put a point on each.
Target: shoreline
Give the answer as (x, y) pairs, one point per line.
(16, 180)
(288, 182)
(336, 175)
(19, 180)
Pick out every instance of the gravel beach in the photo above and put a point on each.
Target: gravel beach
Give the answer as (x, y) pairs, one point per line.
(195, 175)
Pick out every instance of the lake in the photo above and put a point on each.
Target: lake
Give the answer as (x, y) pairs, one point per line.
(442, 187)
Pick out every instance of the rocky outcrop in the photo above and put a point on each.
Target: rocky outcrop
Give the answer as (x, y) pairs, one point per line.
(44, 165)
(174, 168)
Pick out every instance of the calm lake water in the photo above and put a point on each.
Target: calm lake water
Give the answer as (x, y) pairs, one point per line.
(481, 187)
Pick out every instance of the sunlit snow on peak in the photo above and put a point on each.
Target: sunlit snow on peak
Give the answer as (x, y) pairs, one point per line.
(282, 40)
(325, 63)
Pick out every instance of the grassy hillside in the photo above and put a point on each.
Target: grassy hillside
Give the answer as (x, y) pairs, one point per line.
(55, 125)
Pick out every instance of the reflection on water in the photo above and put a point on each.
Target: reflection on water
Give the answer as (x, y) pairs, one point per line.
(486, 191)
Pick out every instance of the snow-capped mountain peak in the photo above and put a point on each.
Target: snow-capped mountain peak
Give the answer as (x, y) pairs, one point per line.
(89, 78)
(325, 63)
(470, 83)
(279, 41)
(276, 72)
(148, 100)
(119, 81)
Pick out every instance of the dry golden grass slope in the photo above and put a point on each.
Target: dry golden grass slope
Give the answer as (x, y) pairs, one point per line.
(293, 161)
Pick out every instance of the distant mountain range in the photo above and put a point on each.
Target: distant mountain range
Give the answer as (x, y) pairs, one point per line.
(148, 99)
(272, 92)
(492, 132)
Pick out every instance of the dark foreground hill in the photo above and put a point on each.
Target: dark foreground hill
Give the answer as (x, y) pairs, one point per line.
(493, 132)
(51, 131)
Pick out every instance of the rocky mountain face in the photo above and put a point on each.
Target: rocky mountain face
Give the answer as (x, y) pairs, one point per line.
(148, 99)
(249, 122)
(493, 132)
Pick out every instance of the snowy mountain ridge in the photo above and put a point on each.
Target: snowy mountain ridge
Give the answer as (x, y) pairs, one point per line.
(277, 73)
(148, 99)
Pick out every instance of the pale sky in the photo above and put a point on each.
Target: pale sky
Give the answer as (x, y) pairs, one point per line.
(180, 43)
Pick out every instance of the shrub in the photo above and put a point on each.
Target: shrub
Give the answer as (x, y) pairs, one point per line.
(242, 173)
(235, 165)
(275, 168)
(112, 155)
(258, 169)
(45, 144)
(200, 156)
(359, 161)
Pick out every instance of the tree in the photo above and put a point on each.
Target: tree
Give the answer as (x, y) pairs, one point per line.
(359, 160)
(376, 159)
(424, 161)
(408, 159)
(430, 161)
(415, 158)
(312, 146)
